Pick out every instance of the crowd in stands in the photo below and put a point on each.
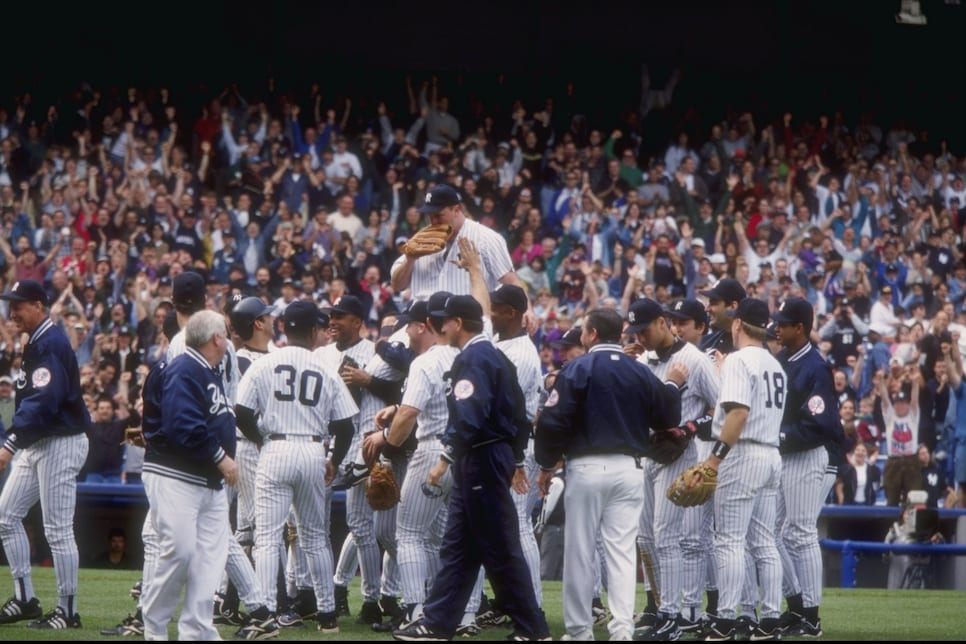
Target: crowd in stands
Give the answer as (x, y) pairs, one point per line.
(108, 194)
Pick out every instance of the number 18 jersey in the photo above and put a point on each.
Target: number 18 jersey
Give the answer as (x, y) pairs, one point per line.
(295, 392)
(753, 378)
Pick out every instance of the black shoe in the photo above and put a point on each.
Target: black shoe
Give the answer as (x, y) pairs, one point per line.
(665, 629)
(766, 631)
(468, 630)
(390, 607)
(15, 610)
(57, 620)
(790, 624)
(351, 476)
(491, 617)
(258, 629)
(342, 601)
(646, 620)
(290, 619)
(229, 617)
(419, 632)
(130, 627)
(369, 614)
(328, 623)
(811, 630)
(688, 626)
(306, 604)
(517, 636)
(746, 625)
(599, 613)
(721, 630)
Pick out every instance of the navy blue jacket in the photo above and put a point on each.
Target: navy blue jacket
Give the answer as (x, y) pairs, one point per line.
(811, 416)
(485, 402)
(604, 402)
(49, 398)
(717, 340)
(188, 425)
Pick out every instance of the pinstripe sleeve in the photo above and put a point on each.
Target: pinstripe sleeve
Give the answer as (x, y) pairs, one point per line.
(707, 385)
(418, 386)
(249, 386)
(495, 254)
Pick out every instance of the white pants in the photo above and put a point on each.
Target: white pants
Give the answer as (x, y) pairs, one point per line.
(192, 527)
(604, 493)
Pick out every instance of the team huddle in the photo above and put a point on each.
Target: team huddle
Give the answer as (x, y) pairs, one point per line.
(694, 450)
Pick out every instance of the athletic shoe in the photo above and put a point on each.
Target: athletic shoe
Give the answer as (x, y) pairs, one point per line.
(130, 627)
(351, 476)
(229, 617)
(645, 620)
(468, 630)
(57, 620)
(15, 610)
(745, 627)
(258, 629)
(491, 617)
(419, 632)
(766, 631)
(517, 636)
(328, 623)
(811, 630)
(790, 623)
(665, 629)
(136, 590)
(290, 619)
(688, 626)
(369, 614)
(722, 630)
(390, 607)
(342, 601)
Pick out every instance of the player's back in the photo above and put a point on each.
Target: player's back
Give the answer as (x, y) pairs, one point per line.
(294, 390)
(753, 378)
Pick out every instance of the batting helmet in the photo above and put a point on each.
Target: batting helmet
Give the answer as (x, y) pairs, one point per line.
(245, 313)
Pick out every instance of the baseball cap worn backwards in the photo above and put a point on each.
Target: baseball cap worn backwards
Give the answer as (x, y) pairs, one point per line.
(417, 312)
(26, 291)
(188, 289)
(751, 311)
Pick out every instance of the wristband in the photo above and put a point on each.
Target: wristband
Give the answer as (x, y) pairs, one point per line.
(720, 449)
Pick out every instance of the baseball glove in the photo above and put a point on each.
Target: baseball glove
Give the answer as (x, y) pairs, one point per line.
(382, 492)
(667, 446)
(680, 494)
(427, 241)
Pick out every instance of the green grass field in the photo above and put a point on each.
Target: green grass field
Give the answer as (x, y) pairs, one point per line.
(846, 614)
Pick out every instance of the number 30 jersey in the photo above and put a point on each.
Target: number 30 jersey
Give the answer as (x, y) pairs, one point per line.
(295, 392)
(753, 378)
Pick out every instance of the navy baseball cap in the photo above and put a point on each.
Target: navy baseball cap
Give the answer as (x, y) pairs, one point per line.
(26, 291)
(772, 330)
(417, 312)
(189, 289)
(437, 301)
(512, 296)
(751, 311)
(641, 313)
(726, 290)
(441, 196)
(569, 339)
(464, 307)
(688, 310)
(302, 315)
(349, 305)
(232, 301)
(795, 310)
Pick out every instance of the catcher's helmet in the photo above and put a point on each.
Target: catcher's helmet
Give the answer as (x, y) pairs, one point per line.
(245, 313)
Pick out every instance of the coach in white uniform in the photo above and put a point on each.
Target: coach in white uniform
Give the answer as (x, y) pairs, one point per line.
(661, 527)
(300, 403)
(746, 425)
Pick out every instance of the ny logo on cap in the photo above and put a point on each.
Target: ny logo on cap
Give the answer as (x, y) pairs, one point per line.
(679, 305)
(630, 317)
(782, 307)
(429, 197)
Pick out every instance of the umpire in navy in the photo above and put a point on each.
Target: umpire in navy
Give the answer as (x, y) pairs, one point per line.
(598, 416)
(484, 442)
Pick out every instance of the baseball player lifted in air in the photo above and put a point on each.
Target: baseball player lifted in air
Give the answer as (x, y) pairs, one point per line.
(420, 516)
(298, 402)
(811, 425)
(49, 430)
(745, 455)
(672, 451)
(597, 417)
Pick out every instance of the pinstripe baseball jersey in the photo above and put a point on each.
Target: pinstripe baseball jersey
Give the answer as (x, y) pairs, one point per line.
(230, 373)
(295, 393)
(360, 353)
(523, 354)
(370, 404)
(436, 272)
(426, 388)
(701, 389)
(753, 378)
(246, 356)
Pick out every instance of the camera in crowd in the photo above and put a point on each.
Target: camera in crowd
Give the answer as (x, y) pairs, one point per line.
(923, 522)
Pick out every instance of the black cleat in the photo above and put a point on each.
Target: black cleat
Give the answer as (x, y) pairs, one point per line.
(342, 601)
(15, 610)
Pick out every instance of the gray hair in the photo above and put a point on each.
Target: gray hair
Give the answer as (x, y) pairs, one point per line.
(202, 326)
